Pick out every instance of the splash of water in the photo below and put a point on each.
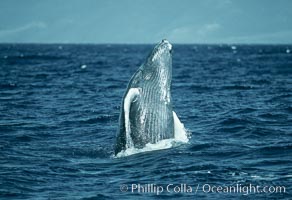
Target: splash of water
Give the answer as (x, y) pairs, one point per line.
(181, 135)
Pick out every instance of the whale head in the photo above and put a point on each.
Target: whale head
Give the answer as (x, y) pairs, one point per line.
(158, 65)
(160, 55)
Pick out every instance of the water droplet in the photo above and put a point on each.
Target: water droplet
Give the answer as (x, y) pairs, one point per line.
(233, 47)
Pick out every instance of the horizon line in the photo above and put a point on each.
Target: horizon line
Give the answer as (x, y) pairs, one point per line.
(132, 43)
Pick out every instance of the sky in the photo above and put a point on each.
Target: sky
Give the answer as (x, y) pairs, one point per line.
(146, 21)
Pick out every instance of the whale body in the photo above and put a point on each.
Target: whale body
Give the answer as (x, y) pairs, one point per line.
(146, 111)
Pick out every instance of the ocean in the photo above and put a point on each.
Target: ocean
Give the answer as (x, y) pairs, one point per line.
(59, 110)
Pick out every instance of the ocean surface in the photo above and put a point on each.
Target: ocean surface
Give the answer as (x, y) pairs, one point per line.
(59, 109)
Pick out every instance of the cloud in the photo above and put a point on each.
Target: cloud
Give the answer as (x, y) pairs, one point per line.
(198, 34)
(208, 28)
(274, 37)
(23, 28)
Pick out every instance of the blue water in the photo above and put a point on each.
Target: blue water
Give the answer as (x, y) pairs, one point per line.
(59, 109)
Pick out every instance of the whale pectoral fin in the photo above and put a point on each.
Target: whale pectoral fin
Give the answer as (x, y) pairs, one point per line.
(179, 129)
(130, 98)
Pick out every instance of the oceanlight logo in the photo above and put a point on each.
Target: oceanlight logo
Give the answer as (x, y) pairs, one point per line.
(245, 190)
(205, 188)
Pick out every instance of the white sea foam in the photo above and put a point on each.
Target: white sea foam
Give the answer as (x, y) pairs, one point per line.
(181, 135)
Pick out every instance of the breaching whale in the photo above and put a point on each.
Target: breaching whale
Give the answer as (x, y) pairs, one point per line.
(146, 111)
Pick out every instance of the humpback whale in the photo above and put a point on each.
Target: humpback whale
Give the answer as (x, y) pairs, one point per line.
(146, 114)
